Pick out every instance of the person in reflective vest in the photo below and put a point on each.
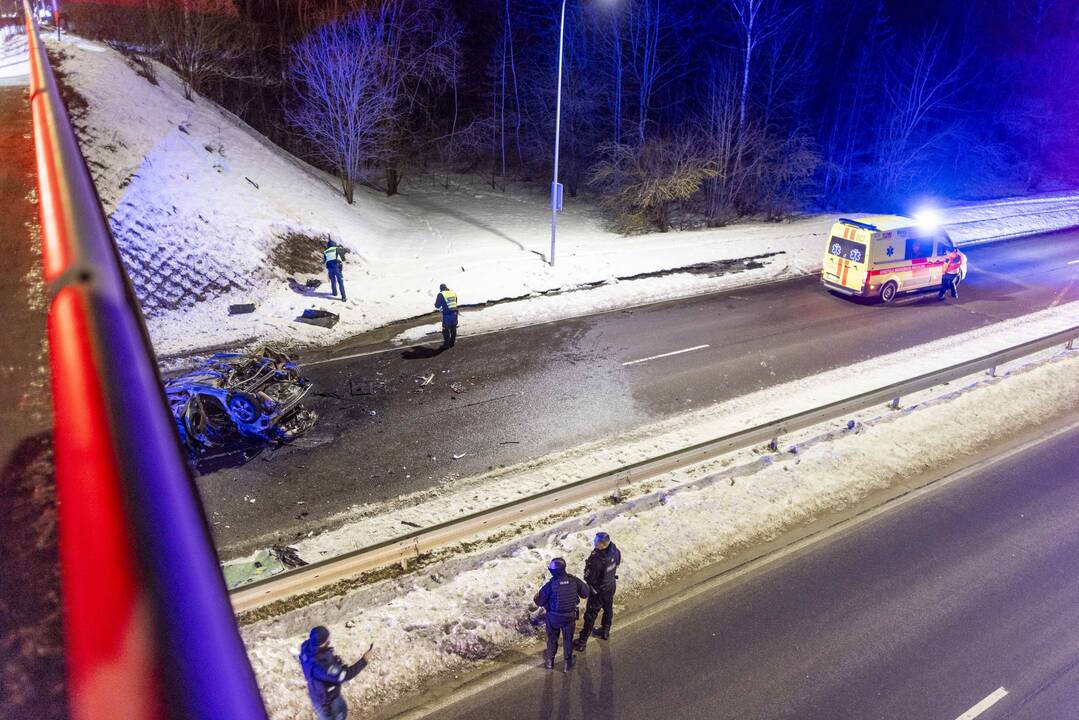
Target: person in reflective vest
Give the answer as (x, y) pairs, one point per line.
(953, 262)
(447, 303)
(600, 572)
(560, 597)
(334, 256)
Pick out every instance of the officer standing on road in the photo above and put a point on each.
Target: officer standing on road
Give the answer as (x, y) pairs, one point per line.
(560, 597)
(447, 303)
(324, 672)
(334, 255)
(953, 261)
(600, 572)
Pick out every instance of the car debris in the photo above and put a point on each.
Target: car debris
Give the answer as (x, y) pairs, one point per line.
(321, 318)
(233, 397)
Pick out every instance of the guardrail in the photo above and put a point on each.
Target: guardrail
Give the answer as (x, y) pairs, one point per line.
(149, 630)
(399, 550)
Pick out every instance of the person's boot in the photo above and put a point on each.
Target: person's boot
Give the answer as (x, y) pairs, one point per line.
(603, 633)
(548, 662)
(580, 644)
(570, 662)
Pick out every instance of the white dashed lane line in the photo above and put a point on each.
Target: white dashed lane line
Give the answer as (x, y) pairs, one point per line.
(657, 357)
(1073, 262)
(987, 702)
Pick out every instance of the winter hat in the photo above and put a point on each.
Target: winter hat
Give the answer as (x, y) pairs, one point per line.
(602, 540)
(319, 635)
(557, 566)
(330, 242)
(443, 286)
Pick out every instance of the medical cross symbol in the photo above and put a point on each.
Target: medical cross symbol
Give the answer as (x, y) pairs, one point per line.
(890, 251)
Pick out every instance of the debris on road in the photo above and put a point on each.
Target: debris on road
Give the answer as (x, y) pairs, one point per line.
(458, 457)
(458, 387)
(321, 318)
(241, 308)
(288, 556)
(427, 379)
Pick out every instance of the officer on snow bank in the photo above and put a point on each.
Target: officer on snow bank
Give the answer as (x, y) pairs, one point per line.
(447, 303)
(600, 572)
(559, 597)
(324, 672)
(334, 255)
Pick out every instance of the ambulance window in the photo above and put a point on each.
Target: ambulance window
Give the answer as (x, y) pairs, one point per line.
(919, 248)
(849, 249)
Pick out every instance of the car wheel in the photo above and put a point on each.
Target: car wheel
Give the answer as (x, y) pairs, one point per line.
(243, 408)
(888, 292)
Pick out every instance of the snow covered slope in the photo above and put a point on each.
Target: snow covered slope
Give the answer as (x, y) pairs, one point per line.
(207, 213)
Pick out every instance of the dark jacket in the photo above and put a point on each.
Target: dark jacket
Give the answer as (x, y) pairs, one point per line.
(325, 672)
(560, 597)
(601, 568)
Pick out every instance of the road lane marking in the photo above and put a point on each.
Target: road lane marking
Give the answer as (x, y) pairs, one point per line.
(987, 702)
(657, 357)
(1073, 262)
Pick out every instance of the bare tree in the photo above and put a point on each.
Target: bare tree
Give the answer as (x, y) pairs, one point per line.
(200, 39)
(344, 107)
(641, 184)
(919, 111)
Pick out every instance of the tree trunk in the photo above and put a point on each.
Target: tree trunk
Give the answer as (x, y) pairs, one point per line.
(393, 180)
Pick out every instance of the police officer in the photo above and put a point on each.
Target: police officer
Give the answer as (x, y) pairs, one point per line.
(559, 597)
(334, 256)
(446, 301)
(324, 672)
(953, 261)
(600, 572)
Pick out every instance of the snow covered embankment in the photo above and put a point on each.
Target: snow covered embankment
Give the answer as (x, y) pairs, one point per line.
(460, 611)
(207, 212)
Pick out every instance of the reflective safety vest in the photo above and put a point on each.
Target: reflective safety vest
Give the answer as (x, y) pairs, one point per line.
(332, 254)
(451, 299)
(954, 264)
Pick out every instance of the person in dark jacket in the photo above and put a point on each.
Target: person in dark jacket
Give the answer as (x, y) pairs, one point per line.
(560, 597)
(325, 672)
(600, 572)
(334, 256)
(446, 301)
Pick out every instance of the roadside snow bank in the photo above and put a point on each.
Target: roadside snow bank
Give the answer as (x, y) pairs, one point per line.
(14, 56)
(206, 213)
(471, 607)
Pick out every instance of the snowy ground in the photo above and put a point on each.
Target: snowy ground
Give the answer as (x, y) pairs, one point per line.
(200, 205)
(14, 59)
(473, 605)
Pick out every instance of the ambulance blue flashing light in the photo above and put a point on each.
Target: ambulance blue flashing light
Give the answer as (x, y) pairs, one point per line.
(856, 223)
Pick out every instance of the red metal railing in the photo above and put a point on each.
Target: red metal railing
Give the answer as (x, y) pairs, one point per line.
(149, 629)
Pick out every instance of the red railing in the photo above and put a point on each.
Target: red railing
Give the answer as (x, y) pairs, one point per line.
(149, 629)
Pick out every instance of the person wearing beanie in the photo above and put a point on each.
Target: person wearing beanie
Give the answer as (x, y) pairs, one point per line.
(600, 572)
(325, 672)
(560, 597)
(446, 301)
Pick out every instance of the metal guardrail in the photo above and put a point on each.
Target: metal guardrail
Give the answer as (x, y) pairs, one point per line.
(320, 574)
(148, 625)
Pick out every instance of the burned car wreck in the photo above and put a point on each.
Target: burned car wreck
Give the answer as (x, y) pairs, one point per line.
(236, 400)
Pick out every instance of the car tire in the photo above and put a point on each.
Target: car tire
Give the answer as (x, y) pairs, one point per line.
(243, 408)
(888, 292)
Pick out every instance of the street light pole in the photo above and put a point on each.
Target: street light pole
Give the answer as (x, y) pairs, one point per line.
(556, 189)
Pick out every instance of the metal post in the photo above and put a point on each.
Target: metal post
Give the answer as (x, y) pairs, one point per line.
(1070, 344)
(894, 404)
(557, 133)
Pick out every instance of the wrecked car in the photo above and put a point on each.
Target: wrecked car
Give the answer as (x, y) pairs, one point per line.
(234, 397)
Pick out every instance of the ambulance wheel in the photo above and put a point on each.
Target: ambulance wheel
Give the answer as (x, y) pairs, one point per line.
(888, 292)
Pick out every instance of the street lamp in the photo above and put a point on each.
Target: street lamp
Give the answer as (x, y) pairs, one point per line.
(556, 187)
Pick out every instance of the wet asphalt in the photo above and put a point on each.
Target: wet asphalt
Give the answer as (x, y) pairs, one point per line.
(502, 398)
(923, 612)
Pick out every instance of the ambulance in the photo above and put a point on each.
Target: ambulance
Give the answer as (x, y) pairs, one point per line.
(884, 255)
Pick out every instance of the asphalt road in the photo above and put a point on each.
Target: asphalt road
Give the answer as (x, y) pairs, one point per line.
(31, 640)
(919, 612)
(517, 395)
